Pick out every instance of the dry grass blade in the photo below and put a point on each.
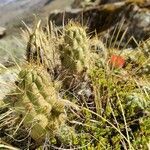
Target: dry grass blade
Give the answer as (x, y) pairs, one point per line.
(3, 146)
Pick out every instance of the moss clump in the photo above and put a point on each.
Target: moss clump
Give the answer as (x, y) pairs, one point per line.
(122, 118)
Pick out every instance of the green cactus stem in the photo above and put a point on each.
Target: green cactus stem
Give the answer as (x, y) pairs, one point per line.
(75, 49)
(37, 101)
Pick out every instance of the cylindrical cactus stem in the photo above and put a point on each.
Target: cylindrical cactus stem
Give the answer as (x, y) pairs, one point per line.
(59, 106)
(37, 99)
(56, 120)
(26, 78)
(23, 104)
(38, 127)
(75, 50)
(37, 102)
(30, 88)
(49, 94)
(41, 48)
(34, 51)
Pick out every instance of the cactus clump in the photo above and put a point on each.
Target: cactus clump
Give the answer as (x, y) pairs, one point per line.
(38, 104)
(75, 50)
(41, 47)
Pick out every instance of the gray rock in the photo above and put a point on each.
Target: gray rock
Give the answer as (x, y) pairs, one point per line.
(105, 18)
(7, 79)
(84, 3)
(2, 32)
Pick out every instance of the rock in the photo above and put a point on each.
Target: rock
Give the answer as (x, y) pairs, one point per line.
(96, 18)
(105, 18)
(12, 51)
(7, 79)
(7, 61)
(2, 32)
(142, 3)
(109, 1)
(139, 22)
(84, 3)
